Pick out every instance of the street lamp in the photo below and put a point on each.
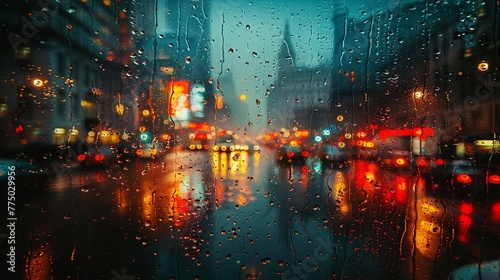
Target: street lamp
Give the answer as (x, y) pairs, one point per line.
(418, 94)
(37, 82)
(483, 66)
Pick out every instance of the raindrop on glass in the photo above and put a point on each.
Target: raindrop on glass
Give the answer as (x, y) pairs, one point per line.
(71, 9)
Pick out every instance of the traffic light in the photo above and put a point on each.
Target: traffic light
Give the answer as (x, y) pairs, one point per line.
(145, 136)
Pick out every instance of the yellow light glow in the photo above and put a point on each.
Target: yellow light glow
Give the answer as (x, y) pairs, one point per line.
(418, 94)
(483, 66)
(145, 113)
(37, 82)
(348, 136)
(340, 118)
(243, 97)
(120, 109)
(59, 130)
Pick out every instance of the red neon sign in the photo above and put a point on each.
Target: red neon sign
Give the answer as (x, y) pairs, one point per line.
(415, 132)
(178, 97)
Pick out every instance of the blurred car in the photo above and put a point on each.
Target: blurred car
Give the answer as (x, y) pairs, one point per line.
(493, 175)
(96, 156)
(456, 177)
(151, 150)
(289, 153)
(225, 143)
(399, 160)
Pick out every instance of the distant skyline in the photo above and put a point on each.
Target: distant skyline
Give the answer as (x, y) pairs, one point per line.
(246, 39)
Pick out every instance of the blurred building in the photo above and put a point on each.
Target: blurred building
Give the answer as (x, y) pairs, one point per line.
(63, 73)
(183, 91)
(300, 97)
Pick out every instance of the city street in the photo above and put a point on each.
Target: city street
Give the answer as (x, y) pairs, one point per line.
(197, 215)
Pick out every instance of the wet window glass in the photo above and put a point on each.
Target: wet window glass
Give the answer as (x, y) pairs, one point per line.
(250, 139)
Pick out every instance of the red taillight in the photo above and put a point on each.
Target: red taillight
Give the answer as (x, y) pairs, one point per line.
(305, 169)
(305, 153)
(205, 147)
(494, 179)
(439, 161)
(421, 162)
(464, 178)
(99, 157)
(81, 157)
(400, 161)
(290, 154)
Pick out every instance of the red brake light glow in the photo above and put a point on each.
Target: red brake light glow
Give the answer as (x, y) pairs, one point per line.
(494, 179)
(99, 157)
(421, 162)
(439, 161)
(305, 153)
(464, 178)
(81, 157)
(290, 154)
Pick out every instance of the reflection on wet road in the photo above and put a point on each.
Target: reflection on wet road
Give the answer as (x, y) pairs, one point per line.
(242, 216)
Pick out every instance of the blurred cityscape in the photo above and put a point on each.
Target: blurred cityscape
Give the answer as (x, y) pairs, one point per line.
(237, 139)
(84, 71)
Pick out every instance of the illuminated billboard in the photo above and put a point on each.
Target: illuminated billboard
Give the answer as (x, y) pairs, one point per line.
(178, 100)
(197, 99)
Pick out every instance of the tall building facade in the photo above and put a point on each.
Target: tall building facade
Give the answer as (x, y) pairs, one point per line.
(64, 70)
(300, 97)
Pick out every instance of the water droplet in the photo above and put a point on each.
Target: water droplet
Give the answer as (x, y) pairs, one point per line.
(247, 27)
(337, 104)
(316, 207)
(188, 59)
(250, 123)
(69, 26)
(85, 189)
(67, 216)
(71, 9)
(160, 36)
(231, 50)
(257, 101)
(254, 54)
(140, 51)
(437, 51)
